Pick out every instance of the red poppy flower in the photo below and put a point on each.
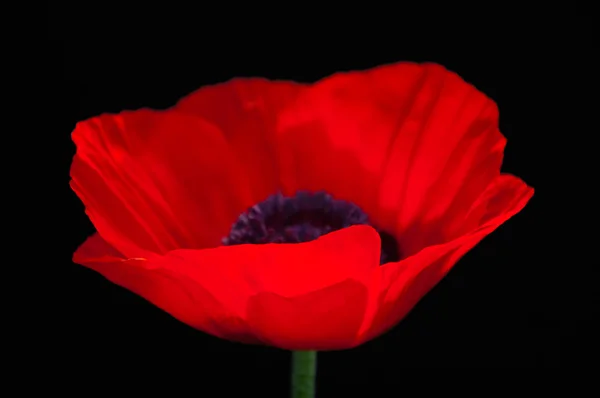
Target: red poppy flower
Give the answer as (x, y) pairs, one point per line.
(299, 216)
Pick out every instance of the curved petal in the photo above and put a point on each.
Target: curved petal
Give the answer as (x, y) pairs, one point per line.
(412, 144)
(445, 153)
(406, 282)
(155, 181)
(337, 134)
(233, 274)
(293, 296)
(328, 319)
(246, 110)
(185, 301)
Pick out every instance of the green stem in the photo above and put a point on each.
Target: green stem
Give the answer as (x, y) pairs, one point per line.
(304, 370)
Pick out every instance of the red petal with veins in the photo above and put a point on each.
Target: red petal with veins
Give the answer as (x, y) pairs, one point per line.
(249, 293)
(157, 181)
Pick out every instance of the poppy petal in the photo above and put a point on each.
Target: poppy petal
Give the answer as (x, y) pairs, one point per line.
(185, 301)
(232, 292)
(407, 281)
(337, 134)
(327, 319)
(155, 181)
(233, 274)
(446, 150)
(246, 111)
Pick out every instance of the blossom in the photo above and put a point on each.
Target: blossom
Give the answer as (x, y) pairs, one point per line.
(302, 216)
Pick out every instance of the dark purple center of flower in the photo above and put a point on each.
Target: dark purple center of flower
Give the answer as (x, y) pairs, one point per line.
(302, 218)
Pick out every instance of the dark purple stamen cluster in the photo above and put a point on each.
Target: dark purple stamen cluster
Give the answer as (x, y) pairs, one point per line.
(301, 218)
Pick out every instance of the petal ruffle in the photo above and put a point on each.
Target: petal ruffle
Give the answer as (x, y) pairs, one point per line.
(407, 281)
(156, 181)
(310, 295)
(233, 274)
(169, 291)
(337, 134)
(327, 319)
(246, 110)
(446, 151)
(412, 144)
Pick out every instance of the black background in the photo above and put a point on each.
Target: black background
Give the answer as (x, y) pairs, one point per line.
(507, 304)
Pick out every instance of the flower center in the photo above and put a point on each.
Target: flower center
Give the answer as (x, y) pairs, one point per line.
(302, 218)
